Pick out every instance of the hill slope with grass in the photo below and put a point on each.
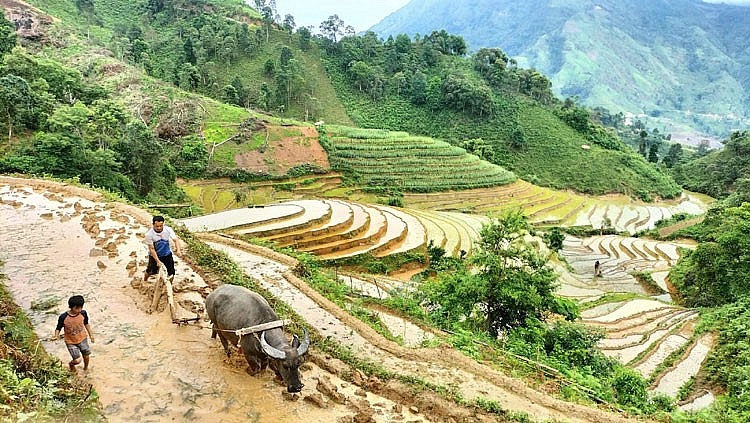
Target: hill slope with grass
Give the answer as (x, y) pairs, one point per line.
(527, 132)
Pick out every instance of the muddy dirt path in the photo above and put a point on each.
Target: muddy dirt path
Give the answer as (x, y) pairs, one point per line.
(144, 367)
(147, 369)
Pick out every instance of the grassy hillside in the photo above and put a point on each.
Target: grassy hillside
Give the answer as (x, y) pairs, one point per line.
(229, 46)
(552, 153)
(191, 75)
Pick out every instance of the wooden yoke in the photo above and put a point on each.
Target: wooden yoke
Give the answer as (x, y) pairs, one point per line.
(261, 327)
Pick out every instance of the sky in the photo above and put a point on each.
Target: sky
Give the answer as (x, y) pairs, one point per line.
(737, 2)
(363, 14)
(358, 13)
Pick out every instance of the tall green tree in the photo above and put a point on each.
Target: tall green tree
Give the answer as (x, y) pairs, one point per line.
(8, 38)
(332, 28)
(512, 282)
(15, 99)
(518, 282)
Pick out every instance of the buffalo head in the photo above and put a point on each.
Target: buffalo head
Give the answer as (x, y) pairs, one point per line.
(286, 361)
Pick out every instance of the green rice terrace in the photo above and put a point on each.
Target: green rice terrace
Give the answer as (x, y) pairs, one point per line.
(412, 163)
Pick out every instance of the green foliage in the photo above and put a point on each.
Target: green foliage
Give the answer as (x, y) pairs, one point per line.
(630, 388)
(718, 270)
(518, 281)
(562, 344)
(720, 173)
(8, 36)
(554, 238)
(513, 283)
(728, 364)
(522, 136)
(192, 160)
(379, 265)
(93, 139)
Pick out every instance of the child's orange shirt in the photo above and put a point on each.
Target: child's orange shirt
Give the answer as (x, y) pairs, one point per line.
(75, 327)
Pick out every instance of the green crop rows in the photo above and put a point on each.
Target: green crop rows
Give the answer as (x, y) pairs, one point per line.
(413, 163)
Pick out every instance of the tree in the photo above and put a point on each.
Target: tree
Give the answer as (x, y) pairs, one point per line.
(8, 38)
(674, 154)
(289, 82)
(264, 98)
(107, 121)
(70, 120)
(554, 239)
(15, 99)
(60, 154)
(361, 72)
(518, 139)
(229, 95)
(305, 34)
(288, 23)
(418, 88)
(285, 55)
(398, 82)
(332, 27)
(140, 155)
(269, 67)
(511, 283)
(267, 10)
(518, 283)
(193, 157)
(653, 153)
(643, 143)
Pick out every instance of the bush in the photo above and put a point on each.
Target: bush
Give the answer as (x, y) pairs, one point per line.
(630, 388)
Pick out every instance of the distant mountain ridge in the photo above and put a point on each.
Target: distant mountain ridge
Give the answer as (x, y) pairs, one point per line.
(683, 63)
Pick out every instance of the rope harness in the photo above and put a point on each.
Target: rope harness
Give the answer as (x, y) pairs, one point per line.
(254, 329)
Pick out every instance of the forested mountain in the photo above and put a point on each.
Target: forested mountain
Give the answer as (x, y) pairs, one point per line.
(186, 74)
(682, 63)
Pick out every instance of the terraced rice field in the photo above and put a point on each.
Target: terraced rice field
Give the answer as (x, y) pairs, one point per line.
(415, 164)
(545, 206)
(648, 333)
(215, 195)
(334, 229)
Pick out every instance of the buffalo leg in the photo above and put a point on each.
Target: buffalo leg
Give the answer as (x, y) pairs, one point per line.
(254, 364)
(225, 344)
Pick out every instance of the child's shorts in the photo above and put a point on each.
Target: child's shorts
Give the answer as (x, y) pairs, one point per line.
(76, 350)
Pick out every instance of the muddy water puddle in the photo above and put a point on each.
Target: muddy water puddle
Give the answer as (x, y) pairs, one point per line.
(143, 367)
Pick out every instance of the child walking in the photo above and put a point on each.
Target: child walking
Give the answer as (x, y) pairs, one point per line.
(77, 331)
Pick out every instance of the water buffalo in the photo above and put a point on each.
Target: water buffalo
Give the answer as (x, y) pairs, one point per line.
(232, 307)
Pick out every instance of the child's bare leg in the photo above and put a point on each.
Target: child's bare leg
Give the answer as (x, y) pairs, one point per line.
(85, 362)
(73, 363)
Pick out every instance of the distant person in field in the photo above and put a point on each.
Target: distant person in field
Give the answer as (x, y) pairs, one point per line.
(597, 268)
(159, 249)
(77, 331)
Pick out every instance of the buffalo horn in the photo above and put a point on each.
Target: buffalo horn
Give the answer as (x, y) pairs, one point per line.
(273, 352)
(302, 349)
